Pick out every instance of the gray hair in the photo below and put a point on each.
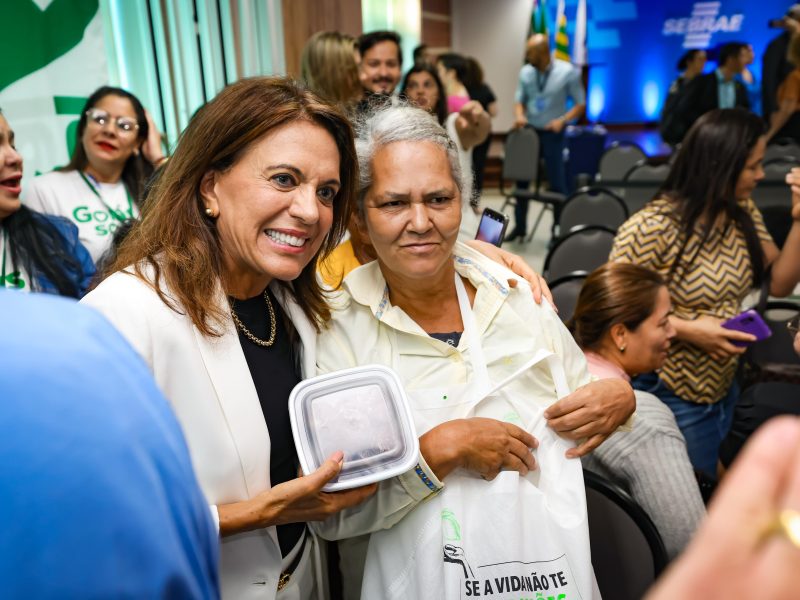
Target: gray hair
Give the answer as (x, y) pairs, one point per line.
(402, 122)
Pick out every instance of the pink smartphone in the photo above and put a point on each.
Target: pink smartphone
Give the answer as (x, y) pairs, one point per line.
(751, 322)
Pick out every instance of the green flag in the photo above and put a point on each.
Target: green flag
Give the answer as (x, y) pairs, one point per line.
(538, 17)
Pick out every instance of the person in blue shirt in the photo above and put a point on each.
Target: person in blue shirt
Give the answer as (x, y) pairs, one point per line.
(95, 477)
(39, 253)
(545, 87)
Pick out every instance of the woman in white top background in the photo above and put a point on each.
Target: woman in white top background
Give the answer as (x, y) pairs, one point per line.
(116, 150)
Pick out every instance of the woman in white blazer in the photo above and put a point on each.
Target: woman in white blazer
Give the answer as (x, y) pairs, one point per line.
(216, 289)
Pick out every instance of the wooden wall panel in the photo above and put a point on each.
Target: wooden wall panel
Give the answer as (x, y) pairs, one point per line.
(303, 18)
(436, 33)
(436, 27)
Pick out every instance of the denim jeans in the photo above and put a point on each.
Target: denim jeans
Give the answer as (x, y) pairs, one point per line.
(703, 425)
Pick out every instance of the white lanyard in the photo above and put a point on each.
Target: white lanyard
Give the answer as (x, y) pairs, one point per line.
(478, 360)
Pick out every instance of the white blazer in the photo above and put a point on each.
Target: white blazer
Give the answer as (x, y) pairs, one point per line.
(208, 383)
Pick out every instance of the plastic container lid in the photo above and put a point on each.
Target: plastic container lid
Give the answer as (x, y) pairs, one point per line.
(363, 412)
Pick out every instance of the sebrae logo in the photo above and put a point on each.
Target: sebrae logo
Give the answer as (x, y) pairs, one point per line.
(704, 22)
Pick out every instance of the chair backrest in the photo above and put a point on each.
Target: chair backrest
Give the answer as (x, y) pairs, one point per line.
(772, 193)
(775, 170)
(644, 171)
(565, 292)
(521, 155)
(642, 183)
(782, 151)
(627, 551)
(592, 206)
(779, 347)
(778, 221)
(617, 160)
(584, 249)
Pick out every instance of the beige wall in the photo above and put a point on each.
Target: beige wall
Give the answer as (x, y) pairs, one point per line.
(494, 32)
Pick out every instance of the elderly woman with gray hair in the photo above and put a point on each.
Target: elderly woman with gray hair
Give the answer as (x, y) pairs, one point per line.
(444, 318)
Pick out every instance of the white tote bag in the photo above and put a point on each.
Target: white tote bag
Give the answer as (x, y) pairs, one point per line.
(511, 538)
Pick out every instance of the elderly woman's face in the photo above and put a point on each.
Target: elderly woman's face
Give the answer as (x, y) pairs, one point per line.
(275, 204)
(412, 212)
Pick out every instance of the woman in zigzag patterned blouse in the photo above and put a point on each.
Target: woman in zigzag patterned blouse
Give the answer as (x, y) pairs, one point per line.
(705, 236)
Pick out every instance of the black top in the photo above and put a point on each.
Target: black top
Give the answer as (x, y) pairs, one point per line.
(483, 94)
(274, 372)
(452, 338)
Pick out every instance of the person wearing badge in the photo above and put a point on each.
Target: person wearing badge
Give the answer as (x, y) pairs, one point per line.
(38, 253)
(116, 150)
(483, 366)
(545, 87)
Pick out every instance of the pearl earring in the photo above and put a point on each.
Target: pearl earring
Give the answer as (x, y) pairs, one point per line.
(210, 212)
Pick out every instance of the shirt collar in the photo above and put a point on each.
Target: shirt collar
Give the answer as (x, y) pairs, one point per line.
(367, 286)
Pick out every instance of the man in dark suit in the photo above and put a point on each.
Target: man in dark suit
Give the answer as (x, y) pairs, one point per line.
(718, 89)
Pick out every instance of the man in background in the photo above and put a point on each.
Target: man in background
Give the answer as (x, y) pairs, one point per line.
(545, 87)
(96, 481)
(718, 89)
(379, 69)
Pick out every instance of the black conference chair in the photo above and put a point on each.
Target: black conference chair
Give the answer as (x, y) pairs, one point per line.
(627, 551)
(592, 206)
(521, 163)
(779, 347)
(772, 190)
(642, 183)
(584, 249)
(777, 169)
(778, 221)
(617, 160)
(565, 292)
(782, 150)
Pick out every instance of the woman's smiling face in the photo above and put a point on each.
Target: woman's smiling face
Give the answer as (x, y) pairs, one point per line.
(274, 206)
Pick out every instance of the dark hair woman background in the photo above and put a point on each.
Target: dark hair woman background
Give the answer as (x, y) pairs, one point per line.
(40, 253)
(704, 234)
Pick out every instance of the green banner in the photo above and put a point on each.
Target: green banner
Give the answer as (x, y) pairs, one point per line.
(55, 57)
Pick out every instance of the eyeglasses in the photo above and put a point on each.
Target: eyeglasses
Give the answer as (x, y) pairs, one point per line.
(793, 325)
(125, 125)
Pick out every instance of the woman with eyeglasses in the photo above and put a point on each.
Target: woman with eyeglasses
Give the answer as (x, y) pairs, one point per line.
(117, 149)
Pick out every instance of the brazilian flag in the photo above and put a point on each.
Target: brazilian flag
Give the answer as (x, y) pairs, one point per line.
(538, 18)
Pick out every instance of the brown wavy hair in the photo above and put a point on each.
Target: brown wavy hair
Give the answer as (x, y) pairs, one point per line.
(181, 244)
(614, 293)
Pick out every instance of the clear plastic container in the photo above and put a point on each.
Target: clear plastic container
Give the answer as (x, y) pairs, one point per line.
(363, 412)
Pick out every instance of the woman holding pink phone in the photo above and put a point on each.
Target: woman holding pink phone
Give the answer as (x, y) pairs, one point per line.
(705, 236)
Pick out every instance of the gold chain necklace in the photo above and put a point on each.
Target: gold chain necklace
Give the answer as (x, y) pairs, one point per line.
(268, 342)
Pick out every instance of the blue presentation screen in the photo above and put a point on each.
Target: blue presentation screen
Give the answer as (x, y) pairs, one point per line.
(633, 46)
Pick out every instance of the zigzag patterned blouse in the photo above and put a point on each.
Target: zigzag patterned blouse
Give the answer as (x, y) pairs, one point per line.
(712, 279)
